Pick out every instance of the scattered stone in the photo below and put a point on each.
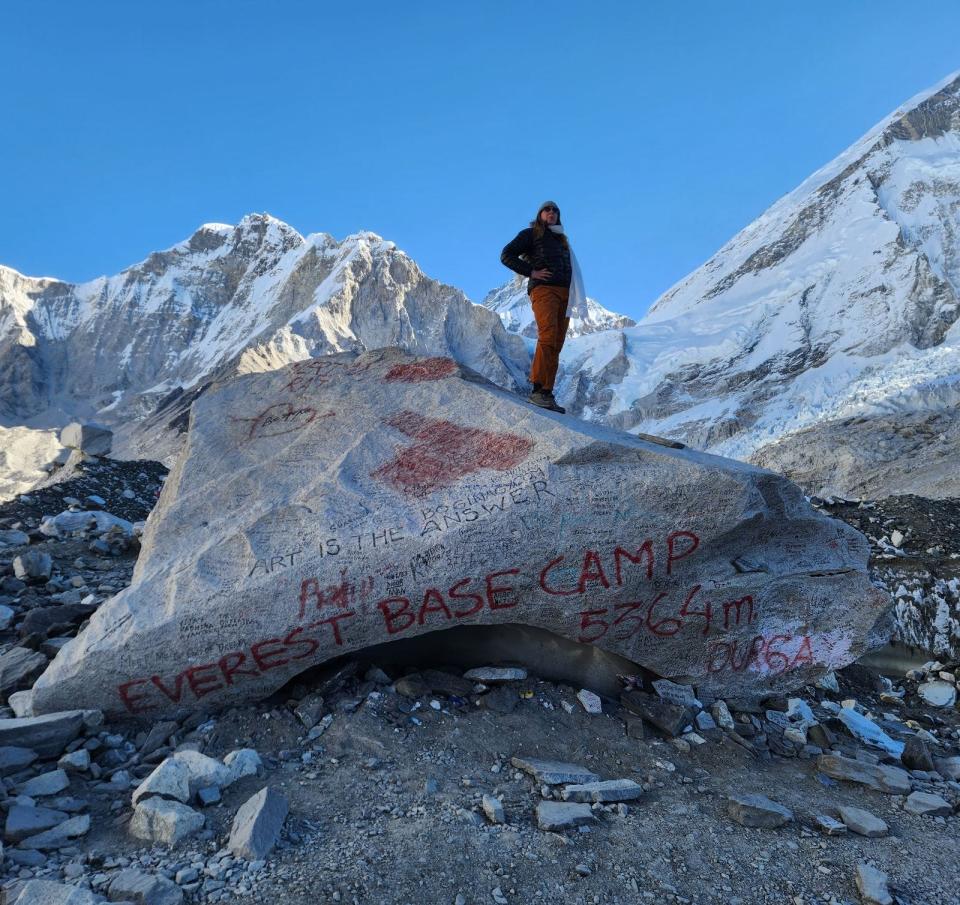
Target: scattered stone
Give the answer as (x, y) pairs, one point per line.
(705, 722)
(721, 713)
(13, 538)
(949, 767)
(208, 796)
(880, 777)
(872, 885)
(171, 779)
(6, 616)
(495, 675)
(46, 892)
(243, 762)
(916, 755)
(75, 761)
(634, 726)
(758, 811)
(131, 885)
(828, 682)
(310, 710)
(14, 759)
(47, 735)
(589, 701)
(45, 784)
(203, 771)
(91, 438)
(157, 736)
(604, 791)
(557, 816)
(167, 822)
(926, 803)
(19, 666)
(33, 565)
(257, 824)
(868, 732)
(862, 822)
(502, 699)
(553, 772)
(24, 821)
(676, 694)
(829, 826)
(60, 835)
(938, 693)
(493, 808)
(671, 719)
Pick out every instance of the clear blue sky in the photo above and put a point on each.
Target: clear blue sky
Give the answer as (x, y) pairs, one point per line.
(661, 128)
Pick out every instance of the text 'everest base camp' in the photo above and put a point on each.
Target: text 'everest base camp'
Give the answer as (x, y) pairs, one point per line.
(342, 502)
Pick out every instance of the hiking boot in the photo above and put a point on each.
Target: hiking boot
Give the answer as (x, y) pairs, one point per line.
(554, 407)
(544, 399)
(540, 398)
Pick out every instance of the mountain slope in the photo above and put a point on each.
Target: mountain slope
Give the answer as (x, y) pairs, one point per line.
(511, 302)
(840, 302)
(227, 300)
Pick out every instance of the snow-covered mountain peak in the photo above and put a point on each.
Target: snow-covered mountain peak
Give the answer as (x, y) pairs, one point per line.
(511, 302)
(840, 301)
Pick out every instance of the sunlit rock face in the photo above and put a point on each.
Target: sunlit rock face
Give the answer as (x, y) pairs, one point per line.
(351, 500)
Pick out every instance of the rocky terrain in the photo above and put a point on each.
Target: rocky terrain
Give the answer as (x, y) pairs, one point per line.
(396, 780)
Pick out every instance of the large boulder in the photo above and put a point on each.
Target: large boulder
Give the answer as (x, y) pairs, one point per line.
(90, 438)
(346, 501)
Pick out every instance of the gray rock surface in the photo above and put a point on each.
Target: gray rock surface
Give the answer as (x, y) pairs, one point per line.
(493, 808)
(926, 803)
(558, 816)
(242, 762)
(758, 811)
(47, 892)
(47, 734)
(13, 758)
(32, 565)
(554, 772)
(19, 666)
(90, 438)
(862, 822)
(23, 821)
(60, 835)
(604, 791)
(203, 770)
(49, 783)
(430, 447)
(142, 888)
(256, 826)
(163, 821)
(170, 779)
(872, 885)
(881, 777)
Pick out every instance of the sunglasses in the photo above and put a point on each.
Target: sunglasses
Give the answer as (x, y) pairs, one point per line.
(550, 208)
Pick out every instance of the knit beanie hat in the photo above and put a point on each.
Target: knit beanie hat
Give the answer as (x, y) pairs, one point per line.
(548, 204)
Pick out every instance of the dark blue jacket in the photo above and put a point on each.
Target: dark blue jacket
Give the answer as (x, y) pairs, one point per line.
(527, 253)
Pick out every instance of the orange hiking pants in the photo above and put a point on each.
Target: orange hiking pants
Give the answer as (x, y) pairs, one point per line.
(550, 310)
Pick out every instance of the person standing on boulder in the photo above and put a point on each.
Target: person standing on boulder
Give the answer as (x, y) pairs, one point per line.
(542, 253)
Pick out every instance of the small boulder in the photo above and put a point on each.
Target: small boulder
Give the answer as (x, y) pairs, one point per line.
(24, 821)
(60, 835)
(828, 825)
(872, 885)
(243, 762)
(916, 755)
(47, 892)
(758, 811)
(605, 791)
(936, 693)
(131, 885)
(45, 784)
(13, 759)
(880, 777)
(90, 438)
(19, 666)
(557, 816)
(863, 823)
(256, 827)
(203, 771)
(553, 772)
(171, 779)
(47, 735)
(495, 675)
(75, 761)
(493, 808)
(163, 821)
(33, 565)
(926, 803)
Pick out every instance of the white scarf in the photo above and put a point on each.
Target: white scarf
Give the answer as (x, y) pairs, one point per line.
(577, 299)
